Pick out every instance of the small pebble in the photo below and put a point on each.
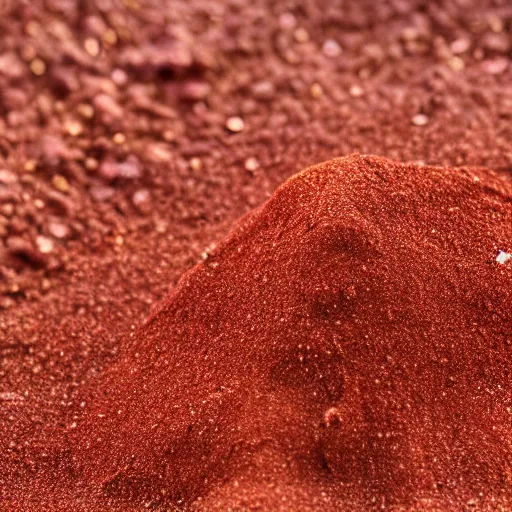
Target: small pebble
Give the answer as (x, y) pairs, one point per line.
(107, 105)
(60, 183)
(86, 110)
(287, 21)
(58, 230)
(316, 90)
(496, 24)
(119, 138)
(91, 164)
(92, 46)
(456, 64)
(7, 177)
(30, 166)
(7, 209)
(6, 303)
(74, 128)
(101, 193)
(119, 77)
(503, 257)
(460, 46)
(141, 199)
(419, 120)
(301, 35)
(38, 67)
(110, 36)
(235, 124)
(45, 244)
(495, 66)
(356, 91)
(331, 48)
(130, 169)
(251, 164)
(195, 164)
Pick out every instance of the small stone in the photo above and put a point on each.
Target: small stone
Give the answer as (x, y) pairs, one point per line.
(44, 244)
(32, 28)
(419, 120)
(6, 303)
(38, 66)
(91, 164)
(61, 183)
(58, 230)
(235, 124)
(28, 53)
(119, 77)
(101, 193)
(45, 285)
(287, 21)
(460, 46)
(110, 36)
(301, 35)
(264, 90)
(316, 90)
(7, 177)
(39, 204)
(7, 209)
(496, 24)
(331, 48)
(119, 138)
(119, 240)
(86, 110)
(74, 128)
(410, 34)
(107, 105)
(503, 257)
(499, 43)
(495, 66)
(356, 91)
(92, 46)
(169, 135)
(456, 64)
(195, 164)
(159, 153)
(141, 199)
(129, 169)
(251, 164)
(30, 166)
(14, 288)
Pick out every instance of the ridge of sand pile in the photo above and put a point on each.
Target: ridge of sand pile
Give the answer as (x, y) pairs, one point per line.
(347, 346)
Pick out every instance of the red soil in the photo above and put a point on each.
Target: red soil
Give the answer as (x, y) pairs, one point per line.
(346, 347)
(118, 169)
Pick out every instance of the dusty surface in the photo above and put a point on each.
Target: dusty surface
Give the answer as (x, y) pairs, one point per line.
(347, 347)
(119, 164)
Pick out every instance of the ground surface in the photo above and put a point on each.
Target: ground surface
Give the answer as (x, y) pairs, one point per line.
(120, 162)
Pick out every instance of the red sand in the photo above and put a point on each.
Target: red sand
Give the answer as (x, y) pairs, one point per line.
(347, 347)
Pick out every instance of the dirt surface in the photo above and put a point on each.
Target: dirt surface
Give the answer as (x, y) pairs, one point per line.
(133, 134)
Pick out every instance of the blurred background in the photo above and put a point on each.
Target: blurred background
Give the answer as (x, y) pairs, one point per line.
(174, 117)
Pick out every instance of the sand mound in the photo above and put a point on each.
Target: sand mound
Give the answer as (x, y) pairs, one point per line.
(347, 346)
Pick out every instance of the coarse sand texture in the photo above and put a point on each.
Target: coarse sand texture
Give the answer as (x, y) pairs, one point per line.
(346, 347)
